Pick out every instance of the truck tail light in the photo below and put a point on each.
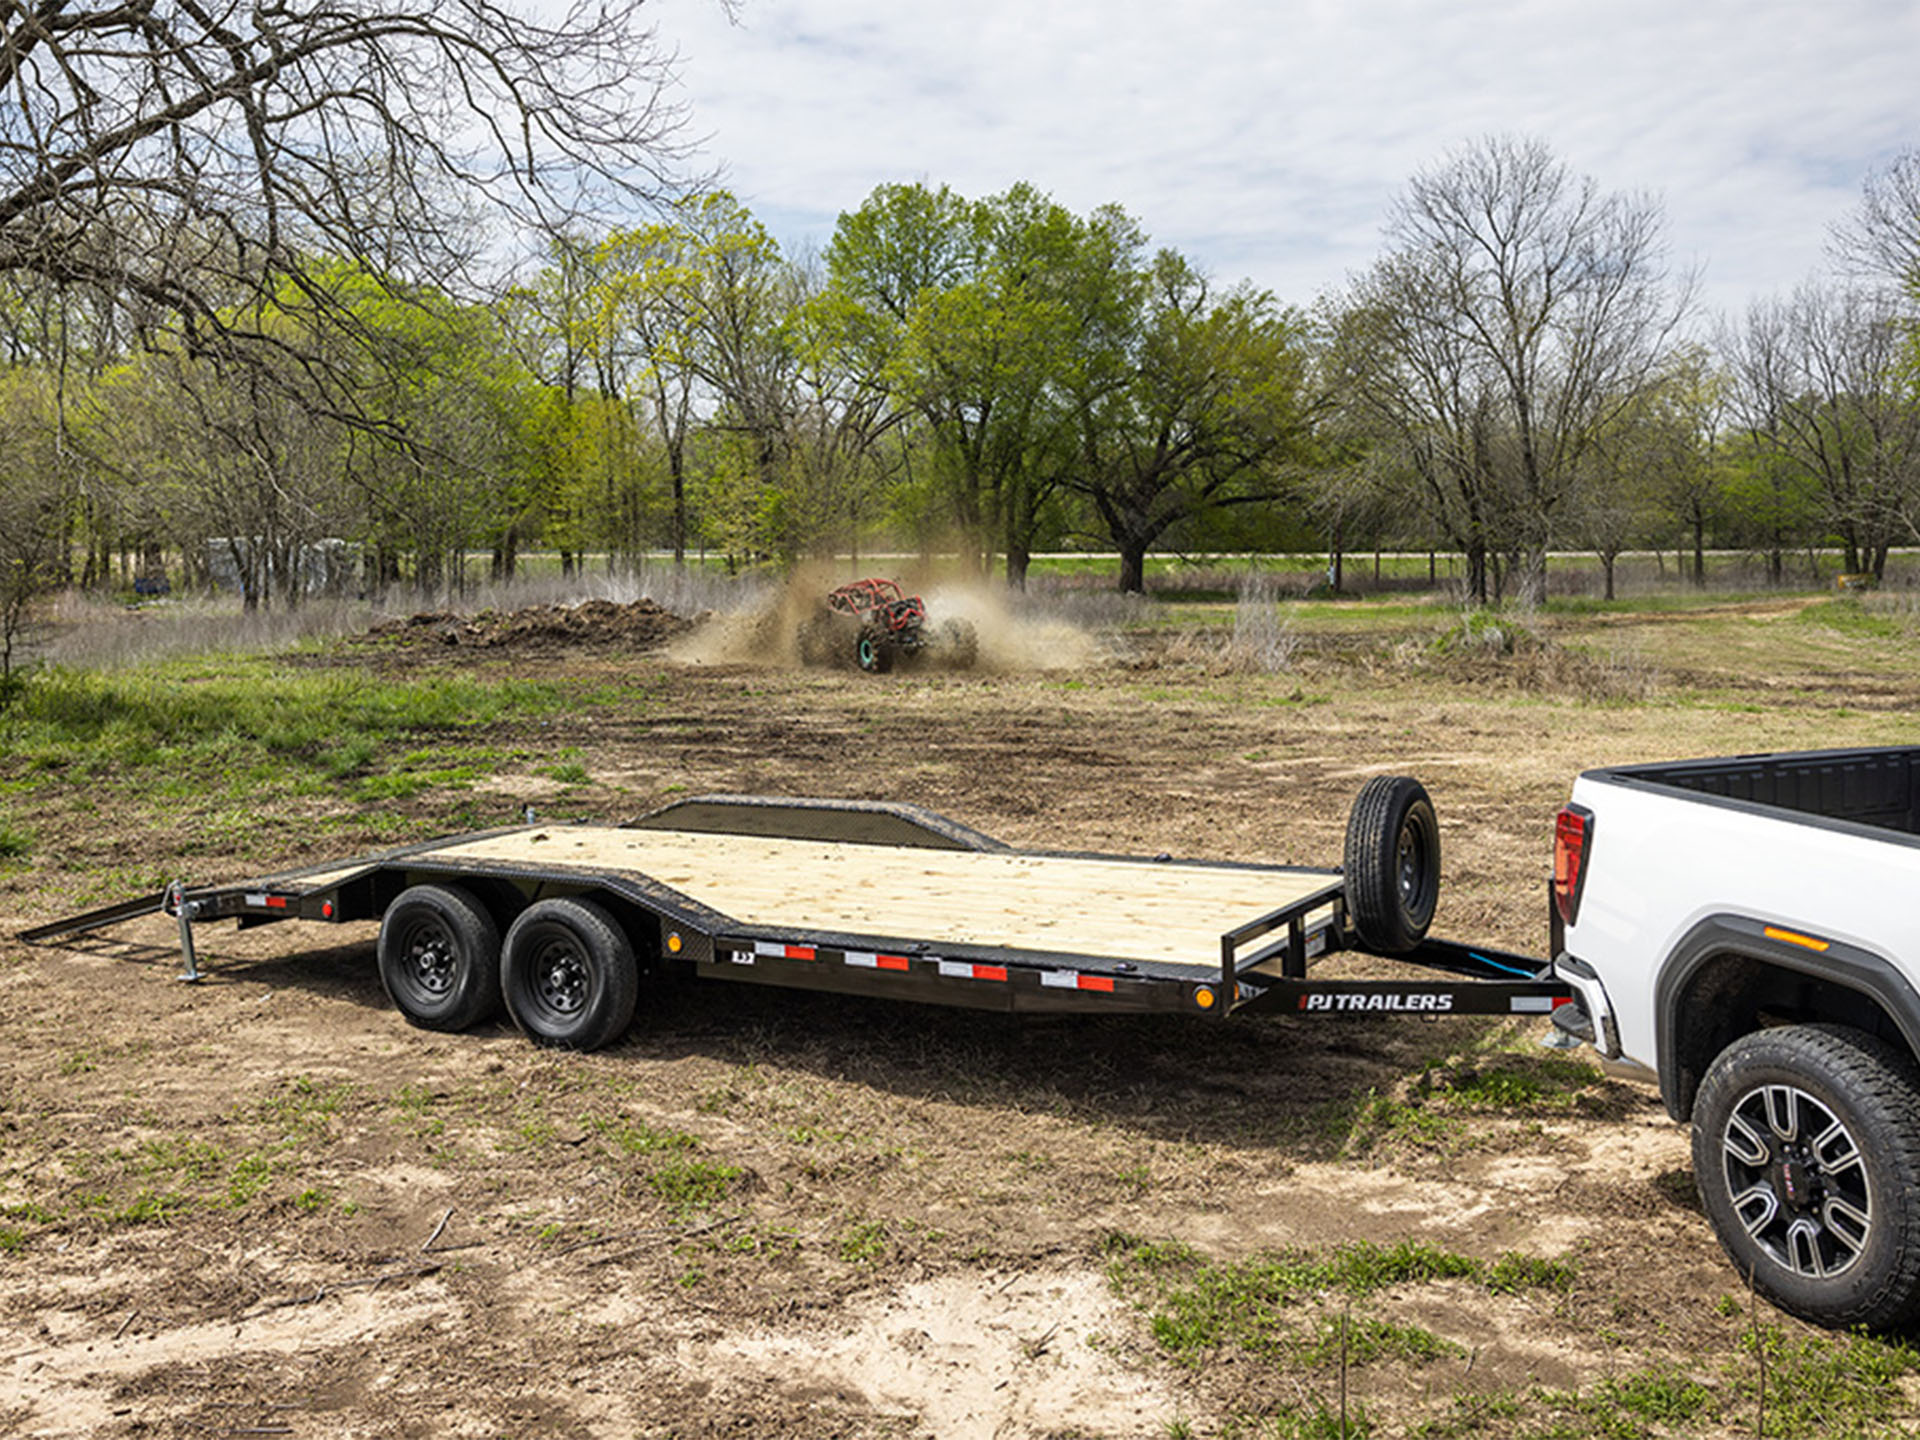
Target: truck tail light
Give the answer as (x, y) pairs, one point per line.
(1572, 837)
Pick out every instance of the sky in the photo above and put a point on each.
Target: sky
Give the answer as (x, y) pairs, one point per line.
(1266, 141)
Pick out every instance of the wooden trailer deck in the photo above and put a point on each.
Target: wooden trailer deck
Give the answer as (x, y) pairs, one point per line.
(1138, 910)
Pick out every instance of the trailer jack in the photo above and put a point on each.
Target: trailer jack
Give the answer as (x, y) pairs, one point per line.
(177, 903)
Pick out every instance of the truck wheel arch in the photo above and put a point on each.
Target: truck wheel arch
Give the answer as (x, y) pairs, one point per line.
(1715, 983)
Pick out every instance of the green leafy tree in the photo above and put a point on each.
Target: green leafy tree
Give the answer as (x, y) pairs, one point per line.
(1200, 408)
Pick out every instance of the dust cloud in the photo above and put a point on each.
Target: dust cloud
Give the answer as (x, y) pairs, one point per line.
(1010, 636)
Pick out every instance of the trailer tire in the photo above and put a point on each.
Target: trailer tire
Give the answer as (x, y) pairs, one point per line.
(1392, 863)
(1806, 1150)
(569, 974)
(439, 956)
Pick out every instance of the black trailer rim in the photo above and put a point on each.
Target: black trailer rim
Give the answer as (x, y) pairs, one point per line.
(431, 959)
(1412, 864)
(1797, 1181)
(561, 977)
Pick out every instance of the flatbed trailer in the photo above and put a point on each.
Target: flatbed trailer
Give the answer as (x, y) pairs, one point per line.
(565, 923)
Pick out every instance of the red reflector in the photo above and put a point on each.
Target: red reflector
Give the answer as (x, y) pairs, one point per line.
(990, 972)
(1572, 832)
(1095, 982)
(326, 910)
(276, 902)
(799, 952)
(892, 962)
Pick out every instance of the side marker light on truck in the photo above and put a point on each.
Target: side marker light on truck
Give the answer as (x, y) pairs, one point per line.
(1203, 997)
(1794, 937)
(1572, 836)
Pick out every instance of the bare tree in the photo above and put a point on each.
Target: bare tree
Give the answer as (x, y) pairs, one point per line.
(1823, 382)
(1881, 238)
(36, 475)
(187, 158)
(1517, 311)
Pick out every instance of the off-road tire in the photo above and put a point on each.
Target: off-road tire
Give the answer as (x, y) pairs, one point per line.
(569, 974)
(1825, 1220)
(874, 653)
(439, 958)
(1392, 864)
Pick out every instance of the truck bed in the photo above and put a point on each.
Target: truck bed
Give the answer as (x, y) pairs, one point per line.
(1877, 789)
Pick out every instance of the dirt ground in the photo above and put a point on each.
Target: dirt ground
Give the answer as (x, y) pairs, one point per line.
(263, 1205)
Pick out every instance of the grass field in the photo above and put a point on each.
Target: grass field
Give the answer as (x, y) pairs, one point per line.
(265, 1205)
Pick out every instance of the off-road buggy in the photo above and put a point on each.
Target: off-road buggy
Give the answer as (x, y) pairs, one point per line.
(873, 623)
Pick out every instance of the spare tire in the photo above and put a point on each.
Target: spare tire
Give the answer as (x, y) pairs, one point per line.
(1392, 864)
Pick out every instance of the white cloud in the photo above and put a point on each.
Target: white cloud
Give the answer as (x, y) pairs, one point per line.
(1266, 140)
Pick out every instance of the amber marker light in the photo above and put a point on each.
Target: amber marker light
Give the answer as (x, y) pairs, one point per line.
(674, 942)
(1203, 997)
(1794, 937)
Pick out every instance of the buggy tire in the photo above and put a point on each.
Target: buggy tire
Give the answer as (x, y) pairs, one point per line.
(1392, 864)
(439, 957)
(874, 653)
(1806, 1150)
(569, 974)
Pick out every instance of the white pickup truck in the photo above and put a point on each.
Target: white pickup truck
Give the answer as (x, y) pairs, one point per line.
(1749, 930)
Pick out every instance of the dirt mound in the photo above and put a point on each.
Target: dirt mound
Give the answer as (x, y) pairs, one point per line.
(641, 625)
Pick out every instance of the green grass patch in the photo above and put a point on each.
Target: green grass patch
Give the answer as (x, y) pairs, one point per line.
(1266, 1305)
(305, 1109)
(15, 843)
(1819, 1386)
(231, 732)
(1362, 1340)
(633, 1137)
(687, 1185)
(1846, 615)
(1843, 1387)
(864, 1243)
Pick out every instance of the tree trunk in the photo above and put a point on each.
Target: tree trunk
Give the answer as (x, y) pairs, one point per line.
(1133, 567)
(1699, 552)
(1018, 559)
(1606, 564)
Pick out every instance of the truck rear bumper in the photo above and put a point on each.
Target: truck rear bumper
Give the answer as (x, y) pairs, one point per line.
(1592, 1012)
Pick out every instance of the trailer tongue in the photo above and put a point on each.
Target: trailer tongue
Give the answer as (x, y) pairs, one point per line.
(565, 923)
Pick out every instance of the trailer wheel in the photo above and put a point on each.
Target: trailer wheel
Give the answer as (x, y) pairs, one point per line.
(875, 654)
(1806, 1149)
(1392, 863)
(439, 958)
(569, 974)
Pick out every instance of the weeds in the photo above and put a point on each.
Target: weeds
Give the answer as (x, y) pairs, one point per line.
(864, 1243)
(688, 1185)
(1196, 1306)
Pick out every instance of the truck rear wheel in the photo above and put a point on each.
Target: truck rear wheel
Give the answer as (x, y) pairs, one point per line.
(439, 957)
(569, 974)
(1806, 1149)
(1392, 863)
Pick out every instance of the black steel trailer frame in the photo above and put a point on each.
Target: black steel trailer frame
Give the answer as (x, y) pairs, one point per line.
(672, 931)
